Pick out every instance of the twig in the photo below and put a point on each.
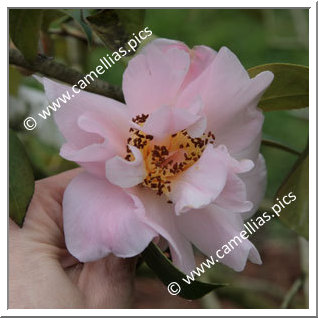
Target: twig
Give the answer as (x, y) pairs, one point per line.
(56, 70)
(277, 145)
(291, 293)
(74, 33)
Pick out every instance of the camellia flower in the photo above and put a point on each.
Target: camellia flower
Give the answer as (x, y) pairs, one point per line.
(180, 161)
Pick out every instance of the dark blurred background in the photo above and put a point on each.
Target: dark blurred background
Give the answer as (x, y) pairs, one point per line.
(257, 37)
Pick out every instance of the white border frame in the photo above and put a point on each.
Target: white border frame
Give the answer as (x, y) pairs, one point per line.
(312, 166)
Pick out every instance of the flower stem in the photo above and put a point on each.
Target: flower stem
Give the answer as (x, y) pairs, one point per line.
(277, 145)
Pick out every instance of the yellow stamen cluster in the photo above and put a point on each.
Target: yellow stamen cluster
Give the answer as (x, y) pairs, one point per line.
(165, 161)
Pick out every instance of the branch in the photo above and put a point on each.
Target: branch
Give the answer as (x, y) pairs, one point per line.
(56, 70)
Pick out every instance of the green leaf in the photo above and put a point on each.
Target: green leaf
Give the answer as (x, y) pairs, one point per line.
(49, 16)
(78, 16)
(289, 89)
(15, 78)
(115, 27)
(296, 214)
(168, 273)
(24, 28)
(21, 180)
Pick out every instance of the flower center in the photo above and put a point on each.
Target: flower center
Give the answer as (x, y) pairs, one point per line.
(168, 159)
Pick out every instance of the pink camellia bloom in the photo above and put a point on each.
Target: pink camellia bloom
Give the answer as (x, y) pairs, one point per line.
(180, 161)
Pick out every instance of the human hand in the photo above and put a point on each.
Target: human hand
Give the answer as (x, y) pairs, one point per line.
(42, 274)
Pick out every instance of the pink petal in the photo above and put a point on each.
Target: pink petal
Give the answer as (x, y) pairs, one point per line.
(230, 98)
(217, 228)
(159, 215)
(115, 136)
(203, 182)
(100, 218)
(89, 121)
(91, 157)
(251, 151)
(233, 198)
(153, 78)
(201, 57)
(255, 181)
(165, 45)
(167, 120)
(124, 173)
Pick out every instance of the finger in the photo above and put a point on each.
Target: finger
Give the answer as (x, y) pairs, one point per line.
(67, 260)
(109, 282)
(57, 184)
(48, 197)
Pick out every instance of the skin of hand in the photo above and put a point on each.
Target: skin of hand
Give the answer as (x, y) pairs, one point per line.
(42, 274)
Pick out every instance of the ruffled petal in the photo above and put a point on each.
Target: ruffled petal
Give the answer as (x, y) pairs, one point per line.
(100, 218)
(255, 181)
(165, 45)
(203, 182)
(153, 78)
(230, 98)
(251, 151)
(124, 173)
(168, 120)
(159, 215)
(233, 198)
(216, 230)
(201, 57)
(89, 121)
(91, 157)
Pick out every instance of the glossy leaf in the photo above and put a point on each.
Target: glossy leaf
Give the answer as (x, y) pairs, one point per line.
(168, 273)
(289, 89)
(296, 214)
(21, 180)
(24, 29)
(115, 27)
